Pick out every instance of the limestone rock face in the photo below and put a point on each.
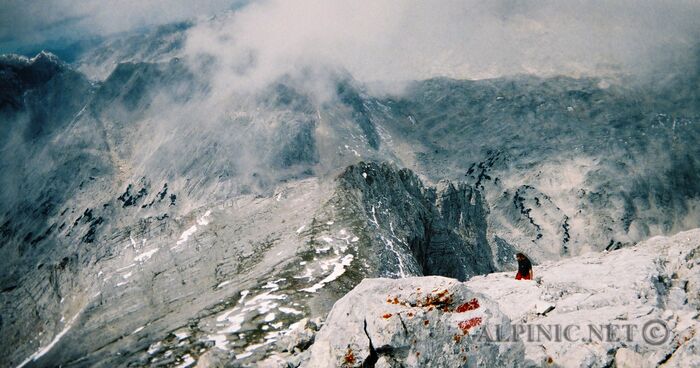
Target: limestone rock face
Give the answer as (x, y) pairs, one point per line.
(413, 322)
(634, 290)
(633, 307)
(414, 229)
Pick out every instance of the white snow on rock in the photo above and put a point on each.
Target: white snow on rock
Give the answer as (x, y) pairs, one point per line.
(181, 335)
(154, 348)
(39, 353)
(220, 341)
(186, 234)
(244, 355)
(204, 219)
(338, 270)
(201, 221)
(233, 319)
(290, 311)
(187, 361)
(145, 256)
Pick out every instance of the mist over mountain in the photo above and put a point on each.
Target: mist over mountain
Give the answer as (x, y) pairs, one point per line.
(195, 191)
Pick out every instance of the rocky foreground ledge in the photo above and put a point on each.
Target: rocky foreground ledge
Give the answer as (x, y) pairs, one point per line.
(633, 307)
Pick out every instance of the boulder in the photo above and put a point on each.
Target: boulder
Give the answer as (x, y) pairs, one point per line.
(414, 322)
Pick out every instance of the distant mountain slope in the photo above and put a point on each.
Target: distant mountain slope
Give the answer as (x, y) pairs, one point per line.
(567, 165)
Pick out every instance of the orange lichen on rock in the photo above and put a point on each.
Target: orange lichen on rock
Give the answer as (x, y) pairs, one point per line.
(470, 305)
(387, 316)
(457, 338)
(466, 325)
(441, 300)
(349, 357)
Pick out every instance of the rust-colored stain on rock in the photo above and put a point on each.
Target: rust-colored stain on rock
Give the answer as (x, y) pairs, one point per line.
(466, 325)
(470, 305)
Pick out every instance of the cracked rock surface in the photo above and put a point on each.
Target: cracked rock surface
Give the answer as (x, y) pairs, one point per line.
(438, 322)
(412, 322)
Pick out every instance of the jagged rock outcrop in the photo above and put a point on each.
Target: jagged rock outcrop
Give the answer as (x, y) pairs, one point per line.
(417, 230)
(633, 307)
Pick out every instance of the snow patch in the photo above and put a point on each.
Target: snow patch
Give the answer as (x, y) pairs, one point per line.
(145, 256)
(186, 234)
(243, 355)
(338, 270)
(181, 335)
(38, 354)
(201, 221)
(290, 311)
(154, 348)
(220, 341)
(204, 219)
(125, 267)
(187, 361)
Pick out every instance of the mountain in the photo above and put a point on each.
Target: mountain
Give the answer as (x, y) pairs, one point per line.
(147, 218)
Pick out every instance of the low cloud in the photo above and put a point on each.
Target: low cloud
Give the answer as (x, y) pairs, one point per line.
(385, 40)
(407, 40)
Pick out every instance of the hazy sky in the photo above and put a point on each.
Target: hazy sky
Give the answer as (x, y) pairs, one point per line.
(387, 39)
(25, 23)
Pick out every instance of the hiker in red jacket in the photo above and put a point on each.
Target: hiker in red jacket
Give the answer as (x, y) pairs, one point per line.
(524, 267)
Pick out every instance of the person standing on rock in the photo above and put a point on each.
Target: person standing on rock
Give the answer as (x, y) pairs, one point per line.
(524, 267)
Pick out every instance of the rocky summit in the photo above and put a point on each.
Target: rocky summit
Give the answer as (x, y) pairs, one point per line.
(166, 204)
(633, 307)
